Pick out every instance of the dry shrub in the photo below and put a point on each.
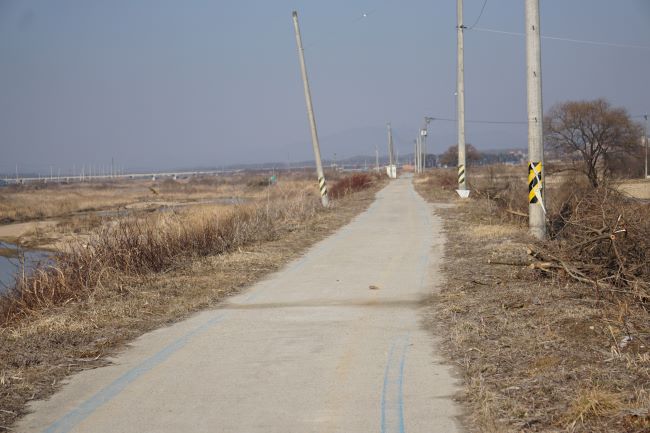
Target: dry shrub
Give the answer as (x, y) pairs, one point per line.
(508, 192)
(349, 184)
(605, 236)
(438, 184)
(444, 179)
(153, 243)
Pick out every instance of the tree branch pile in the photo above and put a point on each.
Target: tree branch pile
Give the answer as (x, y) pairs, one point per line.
(602, 238)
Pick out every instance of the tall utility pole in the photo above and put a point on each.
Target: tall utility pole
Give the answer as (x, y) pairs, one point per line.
(310, 113)
(460, 97)
(536, 210)
(645, 140)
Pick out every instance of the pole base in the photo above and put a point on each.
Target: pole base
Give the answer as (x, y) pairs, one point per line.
(463, 193)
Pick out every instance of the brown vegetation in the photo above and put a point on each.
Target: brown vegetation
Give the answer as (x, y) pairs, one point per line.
(350, 184)
(538, 349)
(143, 271)
(150, 244)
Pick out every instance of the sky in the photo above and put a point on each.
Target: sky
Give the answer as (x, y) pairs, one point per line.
(160, 84)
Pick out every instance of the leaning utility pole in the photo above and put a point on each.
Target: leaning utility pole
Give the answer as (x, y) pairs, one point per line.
(536, 209)
(460, 77)
(310, 113)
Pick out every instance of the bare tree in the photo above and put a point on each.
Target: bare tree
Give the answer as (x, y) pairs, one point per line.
(450, 157)
(592, 133)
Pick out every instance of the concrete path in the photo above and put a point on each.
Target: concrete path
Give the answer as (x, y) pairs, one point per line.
(310, 349)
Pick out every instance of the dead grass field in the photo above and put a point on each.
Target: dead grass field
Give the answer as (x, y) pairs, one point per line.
(49, 216)
(40, 347)
(537, 352)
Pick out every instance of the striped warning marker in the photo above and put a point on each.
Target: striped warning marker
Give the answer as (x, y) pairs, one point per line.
(461, 173)
(535, 183)
(322, 186)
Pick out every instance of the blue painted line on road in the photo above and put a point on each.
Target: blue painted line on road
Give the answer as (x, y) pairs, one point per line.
(400, 397)
(392, 394)
(69, 421)
(384, 390)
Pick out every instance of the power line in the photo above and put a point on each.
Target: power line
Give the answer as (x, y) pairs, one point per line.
(494, 122)
(479, 16)
(557, 38)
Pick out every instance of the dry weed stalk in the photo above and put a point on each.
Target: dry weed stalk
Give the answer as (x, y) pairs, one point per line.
(151, 244)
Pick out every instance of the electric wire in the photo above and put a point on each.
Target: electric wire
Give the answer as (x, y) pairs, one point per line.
(493, 122)
(557, 38)
(479, 16)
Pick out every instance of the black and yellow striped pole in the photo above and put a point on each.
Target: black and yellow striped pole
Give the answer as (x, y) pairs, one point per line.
(535, 184)
(322, 186)
(460, 100)
(461, 174)
(536, 209)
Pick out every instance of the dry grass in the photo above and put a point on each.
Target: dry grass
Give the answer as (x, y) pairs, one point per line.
(38, 201)
(142, 245)
(51, 339)
(538, 352)
(351, 184)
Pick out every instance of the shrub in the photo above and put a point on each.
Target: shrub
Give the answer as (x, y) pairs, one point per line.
(154, 243)
(350, 184)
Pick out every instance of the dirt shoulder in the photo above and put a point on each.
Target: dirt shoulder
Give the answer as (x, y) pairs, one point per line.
(536, 352)
(37, 353)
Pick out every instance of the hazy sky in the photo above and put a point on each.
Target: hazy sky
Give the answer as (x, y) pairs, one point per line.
(164, 84)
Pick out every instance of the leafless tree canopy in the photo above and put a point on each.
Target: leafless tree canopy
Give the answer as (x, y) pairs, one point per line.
(591, 132)
(450, 157)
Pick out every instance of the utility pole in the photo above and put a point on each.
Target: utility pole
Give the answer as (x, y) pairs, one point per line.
(310, 113)
(419, 144)
(424, 134)
(645, 140)
(536, 209)
(376, 158)
(460, 90)
(390, 144)
(392, 166)
(416, 168)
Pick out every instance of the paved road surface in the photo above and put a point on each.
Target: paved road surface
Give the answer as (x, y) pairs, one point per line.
(311, 349)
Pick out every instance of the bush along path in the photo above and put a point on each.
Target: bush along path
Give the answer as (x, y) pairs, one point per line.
(548, 336)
